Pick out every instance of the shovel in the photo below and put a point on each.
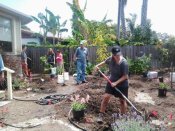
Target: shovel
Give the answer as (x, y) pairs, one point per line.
(106, 78)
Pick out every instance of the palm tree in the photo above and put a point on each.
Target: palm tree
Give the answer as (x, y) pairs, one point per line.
(124, 2)
(54, 24)
(144, 13)
(50, 23)
(121, 18)
(131, 23)
(42, 20)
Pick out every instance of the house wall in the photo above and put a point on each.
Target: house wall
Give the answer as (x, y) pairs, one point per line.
(12, 59)
(16, 34)
(13, 62)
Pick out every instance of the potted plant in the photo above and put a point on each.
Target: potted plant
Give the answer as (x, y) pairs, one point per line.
(162, 89)
(78, 106)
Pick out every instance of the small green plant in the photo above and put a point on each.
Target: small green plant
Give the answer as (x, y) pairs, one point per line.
(17, 83)
(78, 103)
(60, 70)
(47, 66)
(163, 85)
(89, 68)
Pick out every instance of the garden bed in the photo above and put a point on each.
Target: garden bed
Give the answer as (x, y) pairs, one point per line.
(154, 108)
(143, 93)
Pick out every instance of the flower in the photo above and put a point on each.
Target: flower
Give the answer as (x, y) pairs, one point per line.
(78, 103)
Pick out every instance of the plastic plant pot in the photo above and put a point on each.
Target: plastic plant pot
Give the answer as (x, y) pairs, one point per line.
(78, 115)
(162, 92)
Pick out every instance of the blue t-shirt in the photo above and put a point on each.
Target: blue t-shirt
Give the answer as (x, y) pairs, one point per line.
(81, 54)
(1, 64)
(23, 56)
(118, 70)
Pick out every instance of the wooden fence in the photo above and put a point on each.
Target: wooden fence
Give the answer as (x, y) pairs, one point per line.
(128, 51)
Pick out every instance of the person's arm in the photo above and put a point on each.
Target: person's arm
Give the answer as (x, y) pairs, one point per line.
(75, 55)
(26, 58)
(1, 64)
(87, 59)
(58, 57)
(54, 58)
(124, 77)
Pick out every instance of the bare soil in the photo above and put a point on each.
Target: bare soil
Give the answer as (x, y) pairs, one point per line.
(18, 111)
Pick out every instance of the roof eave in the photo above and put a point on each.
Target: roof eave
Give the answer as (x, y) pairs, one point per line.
(25, 19)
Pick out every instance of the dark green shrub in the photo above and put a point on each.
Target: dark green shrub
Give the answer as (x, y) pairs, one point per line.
(139, 65)
(89, 68)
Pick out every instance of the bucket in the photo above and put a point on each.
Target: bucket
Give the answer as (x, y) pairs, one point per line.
(66, 76)
(172, 74)
(53, 70)
(152, 74)
(60, 79)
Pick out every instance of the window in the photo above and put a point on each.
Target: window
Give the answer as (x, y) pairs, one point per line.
(5, 34)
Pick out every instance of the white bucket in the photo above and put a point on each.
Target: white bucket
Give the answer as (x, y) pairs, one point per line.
(60, 79)
(172, 74)
(66, 76)
(53, 70)
(152, 74)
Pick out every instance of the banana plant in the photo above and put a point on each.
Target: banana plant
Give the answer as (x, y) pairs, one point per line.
(54, 24)
(42, 20)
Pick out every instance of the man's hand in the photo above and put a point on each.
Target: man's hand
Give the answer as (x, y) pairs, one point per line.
(113, 84)
(96, 68)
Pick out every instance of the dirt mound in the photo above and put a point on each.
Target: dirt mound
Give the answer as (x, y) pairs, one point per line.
(163, 106)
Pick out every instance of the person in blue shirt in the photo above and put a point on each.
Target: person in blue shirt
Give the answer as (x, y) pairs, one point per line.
(81, 57)
(1, 69)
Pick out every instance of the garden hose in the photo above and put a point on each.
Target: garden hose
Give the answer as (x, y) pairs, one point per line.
(15, 98)
(19, 126)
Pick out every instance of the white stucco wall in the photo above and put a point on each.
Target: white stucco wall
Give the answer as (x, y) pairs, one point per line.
(16, 34)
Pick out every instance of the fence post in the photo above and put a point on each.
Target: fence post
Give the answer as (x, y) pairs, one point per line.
(9, 82)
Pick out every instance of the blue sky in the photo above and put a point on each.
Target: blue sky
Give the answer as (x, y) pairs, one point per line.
(159, 11)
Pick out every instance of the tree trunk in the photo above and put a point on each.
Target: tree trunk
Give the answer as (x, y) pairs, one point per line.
(119, 16)
(144, 13)
(123, 19)
(53, 39)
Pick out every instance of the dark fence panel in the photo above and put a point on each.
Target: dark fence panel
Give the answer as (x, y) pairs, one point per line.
(128, 51)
